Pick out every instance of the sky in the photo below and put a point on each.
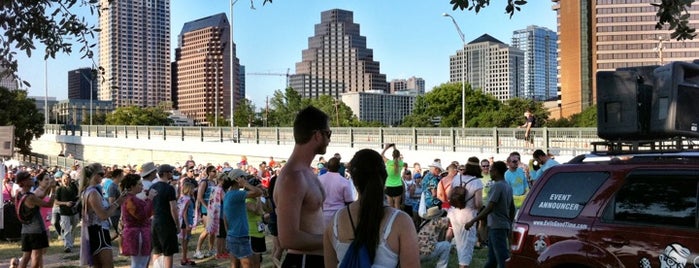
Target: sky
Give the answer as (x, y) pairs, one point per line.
(408, 38)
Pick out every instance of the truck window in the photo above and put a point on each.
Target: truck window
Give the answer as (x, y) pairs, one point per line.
(565, 194)
(657, 200)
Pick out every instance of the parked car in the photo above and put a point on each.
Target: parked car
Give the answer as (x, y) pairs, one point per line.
(635, 209)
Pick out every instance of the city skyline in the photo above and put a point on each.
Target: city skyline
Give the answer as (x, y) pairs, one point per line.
(414, 39)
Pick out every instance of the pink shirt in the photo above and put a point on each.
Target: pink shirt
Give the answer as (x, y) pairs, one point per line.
(338, 191)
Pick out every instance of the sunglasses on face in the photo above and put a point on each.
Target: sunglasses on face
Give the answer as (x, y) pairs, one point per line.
(101, 174)
(326, 132)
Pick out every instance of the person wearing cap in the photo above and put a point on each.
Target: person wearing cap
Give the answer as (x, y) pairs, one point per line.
(67, 198)
(430, 183)
(34, 232)
(299, 194)
(164, 229)
(428, 237)
(235, 216)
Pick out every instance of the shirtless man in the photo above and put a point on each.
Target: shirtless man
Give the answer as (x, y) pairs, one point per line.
(299, 195)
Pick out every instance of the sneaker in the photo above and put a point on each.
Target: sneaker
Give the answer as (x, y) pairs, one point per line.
(210, 253)
(186, 262)
(223, 256)
(67, 250)
(198, 255)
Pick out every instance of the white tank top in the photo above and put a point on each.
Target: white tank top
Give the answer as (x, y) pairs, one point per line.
(385, 257)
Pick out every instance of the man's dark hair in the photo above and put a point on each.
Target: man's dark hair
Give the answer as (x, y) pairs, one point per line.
(500, 166)
(538, 153)
(333, 165)
(307, 121)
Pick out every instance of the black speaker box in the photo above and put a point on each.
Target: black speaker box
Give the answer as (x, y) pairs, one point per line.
(675, 107)
(623, 103)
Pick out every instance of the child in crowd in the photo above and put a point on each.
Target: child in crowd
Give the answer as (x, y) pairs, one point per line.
(185, 209)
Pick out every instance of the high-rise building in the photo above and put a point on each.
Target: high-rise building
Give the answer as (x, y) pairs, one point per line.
(605, 35)
(397, 85)
(491, 66)
(540, 46)
(203, 69)
(241, 81)
(8, 80)
(417, 84)
(80, 82)
(373, 106)
(337, 60)
(134, 50)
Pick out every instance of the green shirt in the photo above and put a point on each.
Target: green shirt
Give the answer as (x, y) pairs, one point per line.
(394, 179)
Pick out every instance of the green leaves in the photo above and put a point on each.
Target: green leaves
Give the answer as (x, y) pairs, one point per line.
(21, 112)
(482, 110)
(137, 116)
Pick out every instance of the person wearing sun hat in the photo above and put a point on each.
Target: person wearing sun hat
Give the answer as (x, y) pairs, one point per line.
(147, 175)
(430, 183)
(428, 237)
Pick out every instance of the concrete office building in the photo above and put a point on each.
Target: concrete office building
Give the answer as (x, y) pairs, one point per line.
(540, 46)
(491, 66)
(603, 35)
(203, 69)
(77, 111)
(134, 49)
(337, 60)
(80, 82)
(413, 83)
(378, 106)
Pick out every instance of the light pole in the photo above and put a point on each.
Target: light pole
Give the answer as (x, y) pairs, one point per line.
(230, 63)
(216, 89)
(90, 81)
(463, 71)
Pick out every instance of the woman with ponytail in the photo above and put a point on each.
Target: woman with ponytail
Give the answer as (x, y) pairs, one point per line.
(96, 243)
(394, 182)
(388, 233)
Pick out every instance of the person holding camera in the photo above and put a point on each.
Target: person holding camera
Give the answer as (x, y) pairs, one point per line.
(394, 183)
(235, 216)
(539, 163)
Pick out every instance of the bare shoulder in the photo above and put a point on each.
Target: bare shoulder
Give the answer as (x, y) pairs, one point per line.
(403, 222)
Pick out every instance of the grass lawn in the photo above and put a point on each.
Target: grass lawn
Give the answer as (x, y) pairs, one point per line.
(55, 257)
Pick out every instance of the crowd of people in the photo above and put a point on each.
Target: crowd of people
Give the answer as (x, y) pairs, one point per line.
(401, 215)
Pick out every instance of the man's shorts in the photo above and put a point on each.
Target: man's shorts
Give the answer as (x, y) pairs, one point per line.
(99, 239)
(34, 241)
(258, 244)
(164, 240)
(239, 246)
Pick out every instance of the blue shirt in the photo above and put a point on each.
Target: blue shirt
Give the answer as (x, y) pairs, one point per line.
(429, 183)
(516, 180)
(235, 213)
(535, 174)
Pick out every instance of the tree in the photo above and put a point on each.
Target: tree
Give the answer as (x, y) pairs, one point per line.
(245, 115)
(340, 114)
(137, 116)
(284, 106)
(22, 113)
(587, 118)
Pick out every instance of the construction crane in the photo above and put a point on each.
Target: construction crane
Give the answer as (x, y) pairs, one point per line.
(274, 74)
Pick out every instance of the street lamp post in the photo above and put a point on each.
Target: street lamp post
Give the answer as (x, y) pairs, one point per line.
(90, 81)
(463, 71)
